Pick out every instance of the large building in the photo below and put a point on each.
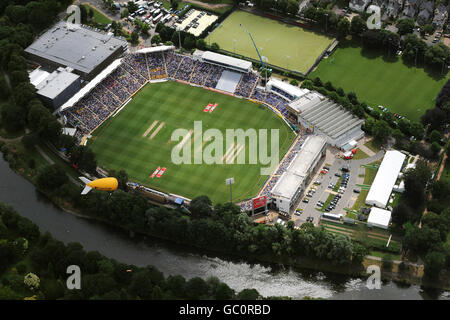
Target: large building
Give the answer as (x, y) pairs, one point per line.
(293, 181)
(385, 179)
(325, 117)
(86, 50)
(57, 87)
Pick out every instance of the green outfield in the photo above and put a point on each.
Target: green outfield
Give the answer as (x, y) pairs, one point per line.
(138, 140)
(405, 90)
(284, 45)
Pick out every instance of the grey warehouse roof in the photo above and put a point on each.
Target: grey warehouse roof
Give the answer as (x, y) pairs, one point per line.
(78, 47)
(329, 117)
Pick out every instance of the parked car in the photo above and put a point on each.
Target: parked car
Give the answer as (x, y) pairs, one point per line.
(356, 190)
(305, 200)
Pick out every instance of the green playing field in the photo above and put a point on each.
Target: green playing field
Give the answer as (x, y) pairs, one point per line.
(138, 140)
(405, 90)
(284, 45)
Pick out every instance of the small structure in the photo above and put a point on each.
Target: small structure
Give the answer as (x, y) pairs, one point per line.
(385, 179)
(379, 218)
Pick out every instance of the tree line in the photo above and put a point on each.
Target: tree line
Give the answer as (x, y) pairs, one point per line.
(34, 266)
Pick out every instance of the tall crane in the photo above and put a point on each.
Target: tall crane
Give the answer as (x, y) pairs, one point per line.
(256, 48)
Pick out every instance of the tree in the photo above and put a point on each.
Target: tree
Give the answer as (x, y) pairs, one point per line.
(434, 262)
(12, 117)
(29, 140)
(134, 36)
(381, 131)
(23, 94)
(201, 207)
(405, 26)
(343, 27)
(189, 42)
(386, 262)
(156, 39)
(174, 4)
(201, 44)
(357, 25)
(435, 149)
(435, 117)
(196, 288)
(292, 7)
(132, 6)
(125, 13)
(215, 47)
(248, 294)
(50, 178)
(402, 213)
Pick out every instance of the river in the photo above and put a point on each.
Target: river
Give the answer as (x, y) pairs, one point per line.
(173, 259)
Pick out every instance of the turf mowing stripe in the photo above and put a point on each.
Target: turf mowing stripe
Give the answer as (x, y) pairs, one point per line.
(157, 130)
(150, 128)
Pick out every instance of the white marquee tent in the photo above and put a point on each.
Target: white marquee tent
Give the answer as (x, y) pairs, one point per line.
(379, 218)
(385, 179)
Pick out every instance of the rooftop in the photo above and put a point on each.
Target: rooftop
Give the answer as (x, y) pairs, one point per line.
(230, 61)
(55, 83)
(80, 48)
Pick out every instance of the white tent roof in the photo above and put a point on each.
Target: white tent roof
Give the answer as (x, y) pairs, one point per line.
(94, 82)
(379, 218)
(286, 87)
(155, 49)
(385, 179)
(239, 64)
(37, 76)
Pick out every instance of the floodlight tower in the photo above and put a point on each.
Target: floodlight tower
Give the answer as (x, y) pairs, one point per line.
(254, 44)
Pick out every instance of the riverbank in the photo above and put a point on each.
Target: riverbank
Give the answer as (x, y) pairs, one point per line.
(411, 276)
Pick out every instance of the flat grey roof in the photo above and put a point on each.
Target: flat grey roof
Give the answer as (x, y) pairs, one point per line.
(55, 83)
(77, 47)
(293, 178)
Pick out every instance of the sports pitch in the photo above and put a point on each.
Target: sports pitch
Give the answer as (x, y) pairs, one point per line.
(138, 140)
(405, 90)
(284, 45)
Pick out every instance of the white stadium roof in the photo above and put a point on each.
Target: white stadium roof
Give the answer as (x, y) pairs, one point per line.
(92, 84)
(379, 218)
(237, 64)
(286, 87)
(155, 49)
(385, 179)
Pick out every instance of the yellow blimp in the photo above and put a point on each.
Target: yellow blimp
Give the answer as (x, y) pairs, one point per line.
(106, 184)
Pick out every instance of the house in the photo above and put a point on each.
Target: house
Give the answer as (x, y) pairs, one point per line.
(440, 17)
(358, 5)
(393, 7)
(425, 12)
(410, 8)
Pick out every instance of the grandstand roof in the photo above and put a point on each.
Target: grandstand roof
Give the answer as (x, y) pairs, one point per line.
(233, 63)
(306, 101)
(385, 179)
(379, 218)
(286, 87)
(56, 82)
(329, 117)
(155, 49)
(291, 180)
(80, 48)
(92, 84)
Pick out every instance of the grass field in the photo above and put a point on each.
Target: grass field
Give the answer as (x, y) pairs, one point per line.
(98, 16)
(406, 90)
(284, 45)
(119, 142)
